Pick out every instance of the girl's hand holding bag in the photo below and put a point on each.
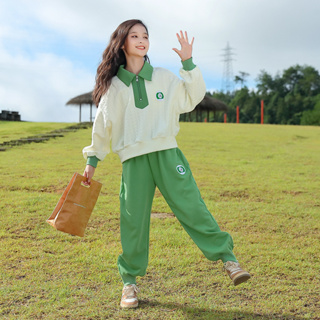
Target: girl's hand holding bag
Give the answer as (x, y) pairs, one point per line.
(72, 213)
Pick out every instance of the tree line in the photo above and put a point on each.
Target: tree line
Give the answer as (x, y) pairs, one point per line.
(290, 97)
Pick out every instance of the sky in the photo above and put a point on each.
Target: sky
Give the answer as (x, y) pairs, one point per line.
(50, 49)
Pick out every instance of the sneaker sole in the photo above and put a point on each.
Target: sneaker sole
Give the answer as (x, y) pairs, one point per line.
(131, 306)
(241, 278)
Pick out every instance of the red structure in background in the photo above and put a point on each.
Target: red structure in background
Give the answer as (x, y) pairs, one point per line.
(237, 114)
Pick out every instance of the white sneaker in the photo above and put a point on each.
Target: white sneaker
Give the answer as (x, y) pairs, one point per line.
(236, 274)
(129, 297)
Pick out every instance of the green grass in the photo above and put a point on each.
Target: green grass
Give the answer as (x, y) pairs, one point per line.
(261, 183)
(15, 130)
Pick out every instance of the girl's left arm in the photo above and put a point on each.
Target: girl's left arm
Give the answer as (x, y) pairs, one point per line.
(186, 48)
(191, 89)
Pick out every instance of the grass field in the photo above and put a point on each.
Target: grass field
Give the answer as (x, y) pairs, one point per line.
(261, 183)
(16, 130)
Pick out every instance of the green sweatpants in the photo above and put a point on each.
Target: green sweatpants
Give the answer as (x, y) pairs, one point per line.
(168, 170)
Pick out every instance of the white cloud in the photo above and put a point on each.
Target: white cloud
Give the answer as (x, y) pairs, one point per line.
(40, 88)
(49, 50)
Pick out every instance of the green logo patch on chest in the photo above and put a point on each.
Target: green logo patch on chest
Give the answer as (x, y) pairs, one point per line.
(160, 96)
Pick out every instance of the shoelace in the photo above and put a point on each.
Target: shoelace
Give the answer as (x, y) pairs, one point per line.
(231, 266)
(129, 291)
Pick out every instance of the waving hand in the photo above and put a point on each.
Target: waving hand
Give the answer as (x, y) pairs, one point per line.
(186, 48)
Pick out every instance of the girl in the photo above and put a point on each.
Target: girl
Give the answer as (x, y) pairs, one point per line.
(138, 111)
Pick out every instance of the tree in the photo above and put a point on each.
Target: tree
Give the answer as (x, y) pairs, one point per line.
(290, 97)
(289, 94)
(241, 78)
(312, 117)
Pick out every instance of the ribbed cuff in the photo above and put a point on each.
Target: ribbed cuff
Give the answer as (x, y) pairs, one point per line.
(127, 279)
(188, 65)
(93, 161)
(229, 257)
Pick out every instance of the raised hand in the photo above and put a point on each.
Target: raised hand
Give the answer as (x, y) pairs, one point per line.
(186, 48)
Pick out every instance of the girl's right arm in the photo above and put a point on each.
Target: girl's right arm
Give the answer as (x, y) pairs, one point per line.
(100, 146)
(101, 134)
(88, 173)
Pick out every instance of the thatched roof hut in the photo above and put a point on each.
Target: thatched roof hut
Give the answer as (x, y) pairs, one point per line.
(85, 98)
(208, 104)
(212, 104)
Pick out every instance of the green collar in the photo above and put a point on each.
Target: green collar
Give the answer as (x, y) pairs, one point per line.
(126, 76)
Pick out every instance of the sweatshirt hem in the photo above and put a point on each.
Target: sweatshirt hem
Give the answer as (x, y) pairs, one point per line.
(145, 147)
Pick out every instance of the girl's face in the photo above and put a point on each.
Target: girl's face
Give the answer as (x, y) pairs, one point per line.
(137, 42)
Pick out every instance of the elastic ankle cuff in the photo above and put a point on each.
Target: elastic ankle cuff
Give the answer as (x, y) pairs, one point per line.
(229, 258)
(127, 279)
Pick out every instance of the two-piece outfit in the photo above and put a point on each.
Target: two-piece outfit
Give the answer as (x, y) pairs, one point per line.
(139, 114)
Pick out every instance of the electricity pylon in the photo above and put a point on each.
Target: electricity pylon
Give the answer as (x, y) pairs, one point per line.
(227, 78)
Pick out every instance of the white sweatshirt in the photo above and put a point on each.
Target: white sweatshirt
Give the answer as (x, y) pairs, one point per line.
(135, 129)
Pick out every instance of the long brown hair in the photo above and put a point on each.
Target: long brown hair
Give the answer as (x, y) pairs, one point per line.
(112, 58)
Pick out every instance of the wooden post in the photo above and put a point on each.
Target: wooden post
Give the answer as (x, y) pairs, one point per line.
(91, 113)
(80, 113)
(225, 118)
(261, 111)
(237, 114)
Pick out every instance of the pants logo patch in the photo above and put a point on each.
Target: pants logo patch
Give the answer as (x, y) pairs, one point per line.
(181, 169)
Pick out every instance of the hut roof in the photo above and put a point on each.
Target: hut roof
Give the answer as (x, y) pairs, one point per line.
(212, 104)
(85, 98)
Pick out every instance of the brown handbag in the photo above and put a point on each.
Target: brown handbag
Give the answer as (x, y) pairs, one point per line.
(73, 211)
